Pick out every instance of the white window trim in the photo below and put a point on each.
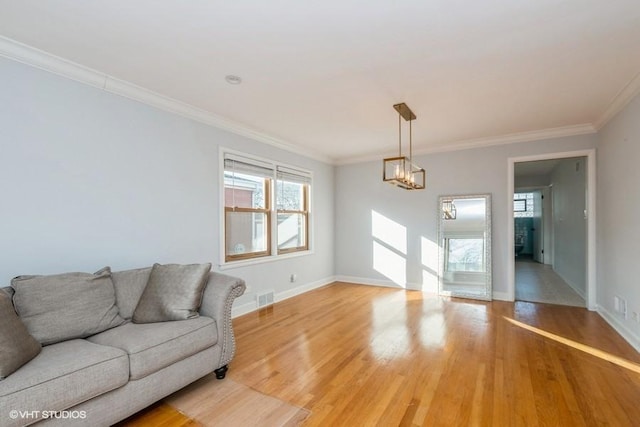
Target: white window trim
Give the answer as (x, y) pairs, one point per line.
(227, 265)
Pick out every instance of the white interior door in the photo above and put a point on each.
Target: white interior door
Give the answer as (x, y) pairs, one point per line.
(538, 227)
(547, 225)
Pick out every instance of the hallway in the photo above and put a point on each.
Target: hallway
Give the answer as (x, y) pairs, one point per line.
(537, 282)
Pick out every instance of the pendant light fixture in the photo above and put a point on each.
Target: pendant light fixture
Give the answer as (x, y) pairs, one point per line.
(448, 210)
(400, 171)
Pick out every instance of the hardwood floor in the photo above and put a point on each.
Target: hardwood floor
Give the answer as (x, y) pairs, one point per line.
(364, 355)
(159, 415)
(359, 355)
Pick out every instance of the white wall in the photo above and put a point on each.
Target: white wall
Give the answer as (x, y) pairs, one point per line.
(619, 218)
(360, 190)
(89, 179)
(532, 181)
(569, 223)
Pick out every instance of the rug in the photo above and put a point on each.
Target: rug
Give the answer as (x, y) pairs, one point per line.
(212, 402)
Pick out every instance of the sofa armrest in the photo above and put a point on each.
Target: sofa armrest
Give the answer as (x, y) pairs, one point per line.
(219, 294)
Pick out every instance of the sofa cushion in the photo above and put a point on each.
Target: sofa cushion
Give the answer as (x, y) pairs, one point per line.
(153, 346)
(17, 346)
(129, 285)
(174, 292)
(63, 375)
(8, 290)
(66, 306)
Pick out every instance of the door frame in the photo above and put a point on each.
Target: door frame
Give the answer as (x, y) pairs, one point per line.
(538, 234)
(590, 154)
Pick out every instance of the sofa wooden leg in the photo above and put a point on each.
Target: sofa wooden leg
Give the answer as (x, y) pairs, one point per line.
(221, 372)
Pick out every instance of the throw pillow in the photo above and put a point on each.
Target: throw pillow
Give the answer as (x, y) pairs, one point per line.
(129, 286)
(174, 292)
(66, 306)
(17, 347)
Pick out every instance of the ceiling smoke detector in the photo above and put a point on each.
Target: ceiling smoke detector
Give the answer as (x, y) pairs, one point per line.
(233, 80)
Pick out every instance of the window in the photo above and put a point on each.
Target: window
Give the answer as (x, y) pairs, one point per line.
(257, 224)
(464, 254)
(247, 208)
(292, 200)
(523, 205)
(520, 205)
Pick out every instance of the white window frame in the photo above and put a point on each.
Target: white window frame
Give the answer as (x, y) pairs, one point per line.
(274, 255)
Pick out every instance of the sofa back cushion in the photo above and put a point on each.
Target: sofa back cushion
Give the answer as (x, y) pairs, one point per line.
(17, 346)
(129, 285)
(65, 306)
(174, 292)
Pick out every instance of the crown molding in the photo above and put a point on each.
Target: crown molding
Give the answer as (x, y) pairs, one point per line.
(37, 58)
(137, 93)
(511, 138)
(619, 102)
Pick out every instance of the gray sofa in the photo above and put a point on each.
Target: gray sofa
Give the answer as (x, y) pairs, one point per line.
(104, 378)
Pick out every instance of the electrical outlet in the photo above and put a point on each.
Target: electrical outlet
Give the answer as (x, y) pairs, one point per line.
(620, 306)
(293, 277)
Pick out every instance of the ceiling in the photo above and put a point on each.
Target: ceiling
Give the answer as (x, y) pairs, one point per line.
(323, 76)
(535, 168)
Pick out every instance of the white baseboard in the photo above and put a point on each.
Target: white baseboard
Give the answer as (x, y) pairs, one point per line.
(368, 281)
(304, 288)
(253, 305)
(630, 336)
(501, 296)
(580, 292)
(573, 286)
(383, 283)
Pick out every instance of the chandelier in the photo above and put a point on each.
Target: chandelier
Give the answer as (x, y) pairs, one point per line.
(448, 210)
(401, 171)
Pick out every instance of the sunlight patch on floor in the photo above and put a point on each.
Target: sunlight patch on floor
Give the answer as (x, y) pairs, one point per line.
(582, 347)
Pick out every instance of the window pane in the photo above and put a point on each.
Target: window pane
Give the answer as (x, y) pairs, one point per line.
(246, 232)
(244, 191)
(290, 196)
(291, 231)
(523, 205)
(520, 205)
(465, 255)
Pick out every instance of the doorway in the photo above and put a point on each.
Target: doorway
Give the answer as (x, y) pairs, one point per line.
(535, 223)
(552, 228)
(532, 222)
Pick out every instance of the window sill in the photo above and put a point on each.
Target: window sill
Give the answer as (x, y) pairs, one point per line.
(262, 260)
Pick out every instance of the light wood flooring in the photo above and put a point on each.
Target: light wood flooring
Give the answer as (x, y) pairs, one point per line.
(363, 355)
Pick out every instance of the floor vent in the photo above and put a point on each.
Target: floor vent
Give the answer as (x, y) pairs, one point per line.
(265, 299)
